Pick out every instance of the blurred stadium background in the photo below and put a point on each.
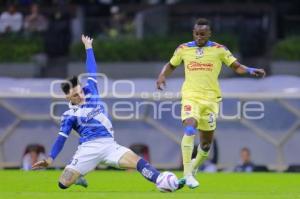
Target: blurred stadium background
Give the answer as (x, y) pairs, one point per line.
(133, 40)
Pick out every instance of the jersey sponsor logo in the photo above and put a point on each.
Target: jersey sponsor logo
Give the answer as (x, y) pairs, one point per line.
(93, 113)
(195, 66)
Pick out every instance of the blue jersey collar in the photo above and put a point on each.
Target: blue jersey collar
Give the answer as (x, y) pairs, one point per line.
(209, 43)
(73, 106)
(194, 44)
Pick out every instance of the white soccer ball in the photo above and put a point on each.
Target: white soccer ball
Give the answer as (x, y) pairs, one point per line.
(167, 182)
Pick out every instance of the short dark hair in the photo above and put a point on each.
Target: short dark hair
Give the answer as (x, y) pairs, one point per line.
(202, 22)
(68, 84)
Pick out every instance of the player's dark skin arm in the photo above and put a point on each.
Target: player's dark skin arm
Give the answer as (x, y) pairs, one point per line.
(165, 72)
(242, 69)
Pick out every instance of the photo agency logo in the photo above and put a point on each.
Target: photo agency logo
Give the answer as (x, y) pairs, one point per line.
(121, 100)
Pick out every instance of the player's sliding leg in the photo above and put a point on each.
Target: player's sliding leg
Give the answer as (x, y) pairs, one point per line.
(69, 177)
(206, 138)
(187, 146)
(81, 181)
(132, 161)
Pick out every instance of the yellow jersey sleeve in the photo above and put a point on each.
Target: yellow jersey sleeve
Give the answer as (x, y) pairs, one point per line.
(176, 59)
(226, 57)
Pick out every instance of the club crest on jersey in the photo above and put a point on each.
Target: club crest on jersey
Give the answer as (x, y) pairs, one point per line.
(187, 108)
(199, 53)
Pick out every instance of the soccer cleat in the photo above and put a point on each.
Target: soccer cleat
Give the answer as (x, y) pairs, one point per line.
(81, 182)
(181, 183)
(191, 182)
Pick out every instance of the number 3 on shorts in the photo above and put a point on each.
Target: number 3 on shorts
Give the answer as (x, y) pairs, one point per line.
(74, 162)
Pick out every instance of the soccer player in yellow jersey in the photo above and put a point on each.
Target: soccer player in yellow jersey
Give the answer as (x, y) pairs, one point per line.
(201, 94)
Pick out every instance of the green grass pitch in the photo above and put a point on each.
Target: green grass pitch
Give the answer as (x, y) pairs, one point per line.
(130, 185)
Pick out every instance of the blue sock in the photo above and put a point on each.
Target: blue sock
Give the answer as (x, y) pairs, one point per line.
(147, 170)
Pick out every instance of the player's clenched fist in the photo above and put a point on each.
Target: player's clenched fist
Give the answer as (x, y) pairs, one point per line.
(161, 82)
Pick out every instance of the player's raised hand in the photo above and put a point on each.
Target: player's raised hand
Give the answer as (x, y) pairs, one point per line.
(42, 164)
(257, 72)
(87, 41)
(161, 82)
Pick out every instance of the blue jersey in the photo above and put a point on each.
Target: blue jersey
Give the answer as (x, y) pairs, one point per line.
(89, 120)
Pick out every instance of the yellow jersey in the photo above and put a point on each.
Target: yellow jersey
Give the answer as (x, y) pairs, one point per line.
(202, 66)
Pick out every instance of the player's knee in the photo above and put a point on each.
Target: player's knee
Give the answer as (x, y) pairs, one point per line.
(129, 160)
(190, 130)
(190, 122)
(62, 186)
(205, 146)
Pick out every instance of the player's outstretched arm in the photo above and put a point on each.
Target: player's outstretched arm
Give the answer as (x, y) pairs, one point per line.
(57, 147)
(42, 164)
(165, 72)
(242, 69)
(87, 41)
(91, 66)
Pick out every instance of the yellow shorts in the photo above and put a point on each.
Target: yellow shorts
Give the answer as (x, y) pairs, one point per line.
(205, 112)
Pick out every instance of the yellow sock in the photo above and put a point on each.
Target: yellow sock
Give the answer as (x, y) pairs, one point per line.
(187, 146)
(200, 158)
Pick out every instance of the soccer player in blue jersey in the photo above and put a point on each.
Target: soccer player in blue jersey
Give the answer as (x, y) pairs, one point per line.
(87, 116)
